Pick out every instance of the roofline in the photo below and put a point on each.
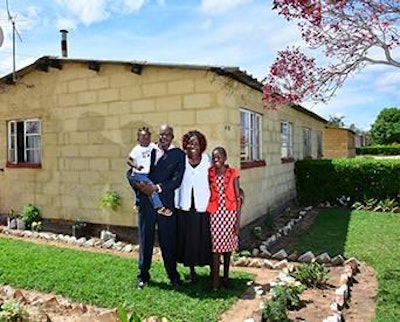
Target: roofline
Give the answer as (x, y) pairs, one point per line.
(228, 71)
(340, 128)
(308, 112)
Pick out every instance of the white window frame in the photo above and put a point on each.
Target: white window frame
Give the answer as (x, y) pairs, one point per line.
(250, 136)
(30, 145)
(307, 143)
(287, 140)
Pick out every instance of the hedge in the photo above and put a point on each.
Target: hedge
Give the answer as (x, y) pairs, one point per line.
(379, 150)
(360, 179)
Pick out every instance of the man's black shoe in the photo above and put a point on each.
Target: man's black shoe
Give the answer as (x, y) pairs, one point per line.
(177, 283)
(140, 284)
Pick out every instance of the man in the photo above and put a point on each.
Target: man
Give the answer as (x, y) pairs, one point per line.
(166, 172)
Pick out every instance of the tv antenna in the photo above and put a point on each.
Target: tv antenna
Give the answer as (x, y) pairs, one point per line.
(14, 32)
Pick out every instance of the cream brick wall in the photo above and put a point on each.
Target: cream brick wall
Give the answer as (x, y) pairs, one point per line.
(89, 124)
(339, 143)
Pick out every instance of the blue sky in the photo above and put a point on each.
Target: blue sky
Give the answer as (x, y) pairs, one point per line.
(242, 33)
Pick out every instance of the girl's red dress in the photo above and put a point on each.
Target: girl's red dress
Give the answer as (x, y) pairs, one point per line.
(223, 211)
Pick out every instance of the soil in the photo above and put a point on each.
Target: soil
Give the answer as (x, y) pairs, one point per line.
(360, 308)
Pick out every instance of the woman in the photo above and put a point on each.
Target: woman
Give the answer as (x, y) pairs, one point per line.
(194, 241)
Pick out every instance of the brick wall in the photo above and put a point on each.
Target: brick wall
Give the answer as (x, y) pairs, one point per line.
(339, 143)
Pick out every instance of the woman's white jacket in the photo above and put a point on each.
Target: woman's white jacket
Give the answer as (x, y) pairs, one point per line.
(195, 179)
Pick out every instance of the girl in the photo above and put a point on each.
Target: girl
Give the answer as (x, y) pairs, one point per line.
(224, 208)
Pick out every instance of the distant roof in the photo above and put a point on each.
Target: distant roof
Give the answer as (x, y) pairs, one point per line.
(228, 71)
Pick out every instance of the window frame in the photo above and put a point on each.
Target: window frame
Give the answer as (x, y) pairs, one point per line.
(320, 147)
(250, 139)
(287, 151)
(307, 143)
(14, 141)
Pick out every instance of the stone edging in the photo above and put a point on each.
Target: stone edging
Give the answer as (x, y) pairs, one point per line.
(262, 253)
(45, 307)
(107, 239)
(342, 293)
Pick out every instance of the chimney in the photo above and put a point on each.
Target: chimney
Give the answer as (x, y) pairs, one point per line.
(64, 48)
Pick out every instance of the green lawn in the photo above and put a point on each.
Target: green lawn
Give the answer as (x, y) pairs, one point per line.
(109, 281)
(369, 236)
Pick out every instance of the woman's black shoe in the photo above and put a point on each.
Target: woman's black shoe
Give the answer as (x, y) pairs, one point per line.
(226, 283)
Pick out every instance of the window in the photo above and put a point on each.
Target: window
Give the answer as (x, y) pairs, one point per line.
(319, 145)
(250, 136)
(24, 142)
(306, 143)
(287, 140)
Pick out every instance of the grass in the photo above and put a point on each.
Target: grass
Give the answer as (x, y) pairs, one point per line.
(109, 281)
(370, 237)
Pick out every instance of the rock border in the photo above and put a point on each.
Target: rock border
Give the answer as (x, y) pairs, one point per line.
(107, 239)
(263, 250)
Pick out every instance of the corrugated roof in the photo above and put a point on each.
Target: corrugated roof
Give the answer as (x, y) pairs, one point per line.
(229, 71)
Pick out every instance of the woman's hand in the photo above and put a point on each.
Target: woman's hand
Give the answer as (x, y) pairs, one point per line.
(237, 223)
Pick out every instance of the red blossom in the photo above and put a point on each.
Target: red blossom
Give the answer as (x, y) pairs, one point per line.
(347, 31)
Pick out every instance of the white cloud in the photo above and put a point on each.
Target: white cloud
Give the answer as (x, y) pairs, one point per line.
(67, 23)
(134, 5)
(220, 6)
(389, 83)
(86, 11)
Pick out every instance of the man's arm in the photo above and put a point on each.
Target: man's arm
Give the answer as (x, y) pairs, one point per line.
(174, 181)
(171, 182)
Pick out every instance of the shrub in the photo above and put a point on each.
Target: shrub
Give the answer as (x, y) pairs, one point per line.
(285, 294)
(289, 295)
(13, 311)
(36, 226)
(385, 205)
(287, 290)
(274, 311)
(379, 150)
(111, 200)
(311, 274)
(357, 179)
(30, 214)
(123, 316)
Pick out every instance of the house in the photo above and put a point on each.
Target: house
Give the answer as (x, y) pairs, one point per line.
(339, 143)
(67, 126)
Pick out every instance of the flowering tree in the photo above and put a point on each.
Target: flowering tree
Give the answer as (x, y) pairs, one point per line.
(354, 33)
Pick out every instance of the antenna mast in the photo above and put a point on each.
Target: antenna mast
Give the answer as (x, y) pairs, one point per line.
(15, 32)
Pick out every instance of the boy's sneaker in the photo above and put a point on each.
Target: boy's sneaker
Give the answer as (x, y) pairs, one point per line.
(164, 211)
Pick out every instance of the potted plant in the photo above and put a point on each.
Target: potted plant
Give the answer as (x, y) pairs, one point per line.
(12, 219)
(79, 229)
(109, 200)
(30, 214)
